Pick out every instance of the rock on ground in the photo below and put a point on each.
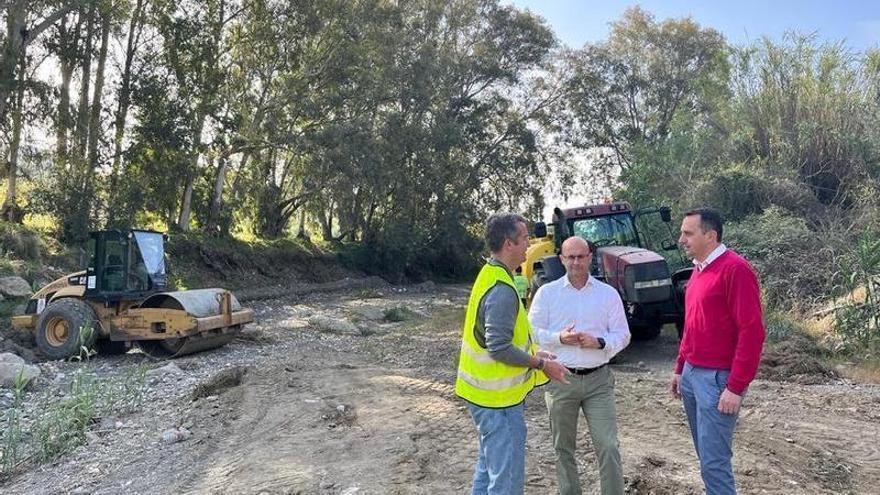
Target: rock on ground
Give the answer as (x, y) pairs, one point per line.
(12, 367)
(333, 325)
(14, 287)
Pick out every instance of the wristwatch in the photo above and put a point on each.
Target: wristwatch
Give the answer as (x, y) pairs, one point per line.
(601, 342)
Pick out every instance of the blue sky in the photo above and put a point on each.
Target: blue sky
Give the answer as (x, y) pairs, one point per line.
(856, 23)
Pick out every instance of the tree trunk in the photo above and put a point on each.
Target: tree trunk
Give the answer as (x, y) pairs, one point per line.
(67, 44)
(186, 201)
(217, 195)
(301, 233)
(82, 118)
(95, 117)
(327, 223)
(12, 46)
(237, 193)
(134, 32)
(10, 210)
(186, 204)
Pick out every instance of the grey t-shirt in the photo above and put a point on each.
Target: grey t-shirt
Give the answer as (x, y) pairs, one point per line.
(496, 317)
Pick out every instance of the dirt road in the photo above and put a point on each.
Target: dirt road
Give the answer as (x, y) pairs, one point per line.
(322, 411)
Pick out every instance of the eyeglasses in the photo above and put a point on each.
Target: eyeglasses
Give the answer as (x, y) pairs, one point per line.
(578, 257)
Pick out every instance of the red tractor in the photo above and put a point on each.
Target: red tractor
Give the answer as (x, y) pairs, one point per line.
(652, 292)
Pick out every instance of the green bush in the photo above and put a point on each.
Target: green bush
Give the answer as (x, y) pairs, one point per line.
(405, 253)
(63, 425)
(789, 258)
(738, 191)
(398, 313)
(19, 242)
(857, 320)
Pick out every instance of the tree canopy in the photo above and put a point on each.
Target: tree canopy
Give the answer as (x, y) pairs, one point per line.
(394, 128)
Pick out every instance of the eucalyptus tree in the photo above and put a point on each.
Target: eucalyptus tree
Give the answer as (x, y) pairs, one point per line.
(195, 54)
(133, 43)
(447, 137)
(26, 21)
(630, 88)
(307, 59)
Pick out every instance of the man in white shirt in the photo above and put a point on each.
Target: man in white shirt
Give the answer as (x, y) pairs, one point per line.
(582, 321)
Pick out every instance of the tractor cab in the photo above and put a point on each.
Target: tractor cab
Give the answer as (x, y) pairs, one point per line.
(124, 265)
(615, 224)
(627, 257)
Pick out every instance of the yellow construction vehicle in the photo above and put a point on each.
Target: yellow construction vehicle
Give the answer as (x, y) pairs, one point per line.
(119, 300)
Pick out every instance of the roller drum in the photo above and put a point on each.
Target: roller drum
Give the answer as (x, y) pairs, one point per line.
(199, 303)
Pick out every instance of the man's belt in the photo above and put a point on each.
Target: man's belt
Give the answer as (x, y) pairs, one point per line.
(583, 371)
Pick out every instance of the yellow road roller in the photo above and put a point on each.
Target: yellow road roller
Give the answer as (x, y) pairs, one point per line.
(120, 300)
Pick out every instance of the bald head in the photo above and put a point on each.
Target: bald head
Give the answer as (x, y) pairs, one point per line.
(575, 243)
(576, 256)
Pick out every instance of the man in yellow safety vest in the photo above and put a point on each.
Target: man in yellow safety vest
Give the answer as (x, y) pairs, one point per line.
(499, 363)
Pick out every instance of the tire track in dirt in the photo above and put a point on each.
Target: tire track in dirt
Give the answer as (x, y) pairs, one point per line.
(344, 428)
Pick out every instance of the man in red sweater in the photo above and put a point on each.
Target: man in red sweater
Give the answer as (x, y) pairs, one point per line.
(721, 348)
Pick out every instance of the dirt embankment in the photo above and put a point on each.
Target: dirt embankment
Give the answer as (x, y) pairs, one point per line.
(302, 405)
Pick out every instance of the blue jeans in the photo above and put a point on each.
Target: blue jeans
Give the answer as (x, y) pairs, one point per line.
(711, 430)
(501, 462)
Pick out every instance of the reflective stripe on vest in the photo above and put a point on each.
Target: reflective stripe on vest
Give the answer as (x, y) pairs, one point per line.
(481, 379)
(498, 384)
(484, 357)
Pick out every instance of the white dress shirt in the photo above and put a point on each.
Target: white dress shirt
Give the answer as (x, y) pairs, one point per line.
(595, 308)
(718, 251)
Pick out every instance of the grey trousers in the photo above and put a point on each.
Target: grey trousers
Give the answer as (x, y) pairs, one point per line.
(594, 395)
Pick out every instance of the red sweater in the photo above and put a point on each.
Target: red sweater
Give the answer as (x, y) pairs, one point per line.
(723, 326)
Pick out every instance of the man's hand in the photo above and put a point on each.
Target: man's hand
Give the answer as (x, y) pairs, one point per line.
(674, 386)
(556, 371)
(569, 337)
(588, 341)
(729, 402)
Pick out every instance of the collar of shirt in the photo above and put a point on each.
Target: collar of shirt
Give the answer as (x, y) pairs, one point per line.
(718, 251)
(567, 283)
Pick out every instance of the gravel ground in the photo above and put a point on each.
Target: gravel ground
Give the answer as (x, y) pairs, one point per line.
(346, 388)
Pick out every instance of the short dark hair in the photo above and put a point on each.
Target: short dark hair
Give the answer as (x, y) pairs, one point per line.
(710, 219)
(500, 227)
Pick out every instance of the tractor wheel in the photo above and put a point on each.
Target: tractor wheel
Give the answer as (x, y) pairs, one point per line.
(65, 328)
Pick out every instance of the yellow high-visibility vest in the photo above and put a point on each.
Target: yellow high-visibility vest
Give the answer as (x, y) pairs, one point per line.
(481, 379)
(522, 285)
